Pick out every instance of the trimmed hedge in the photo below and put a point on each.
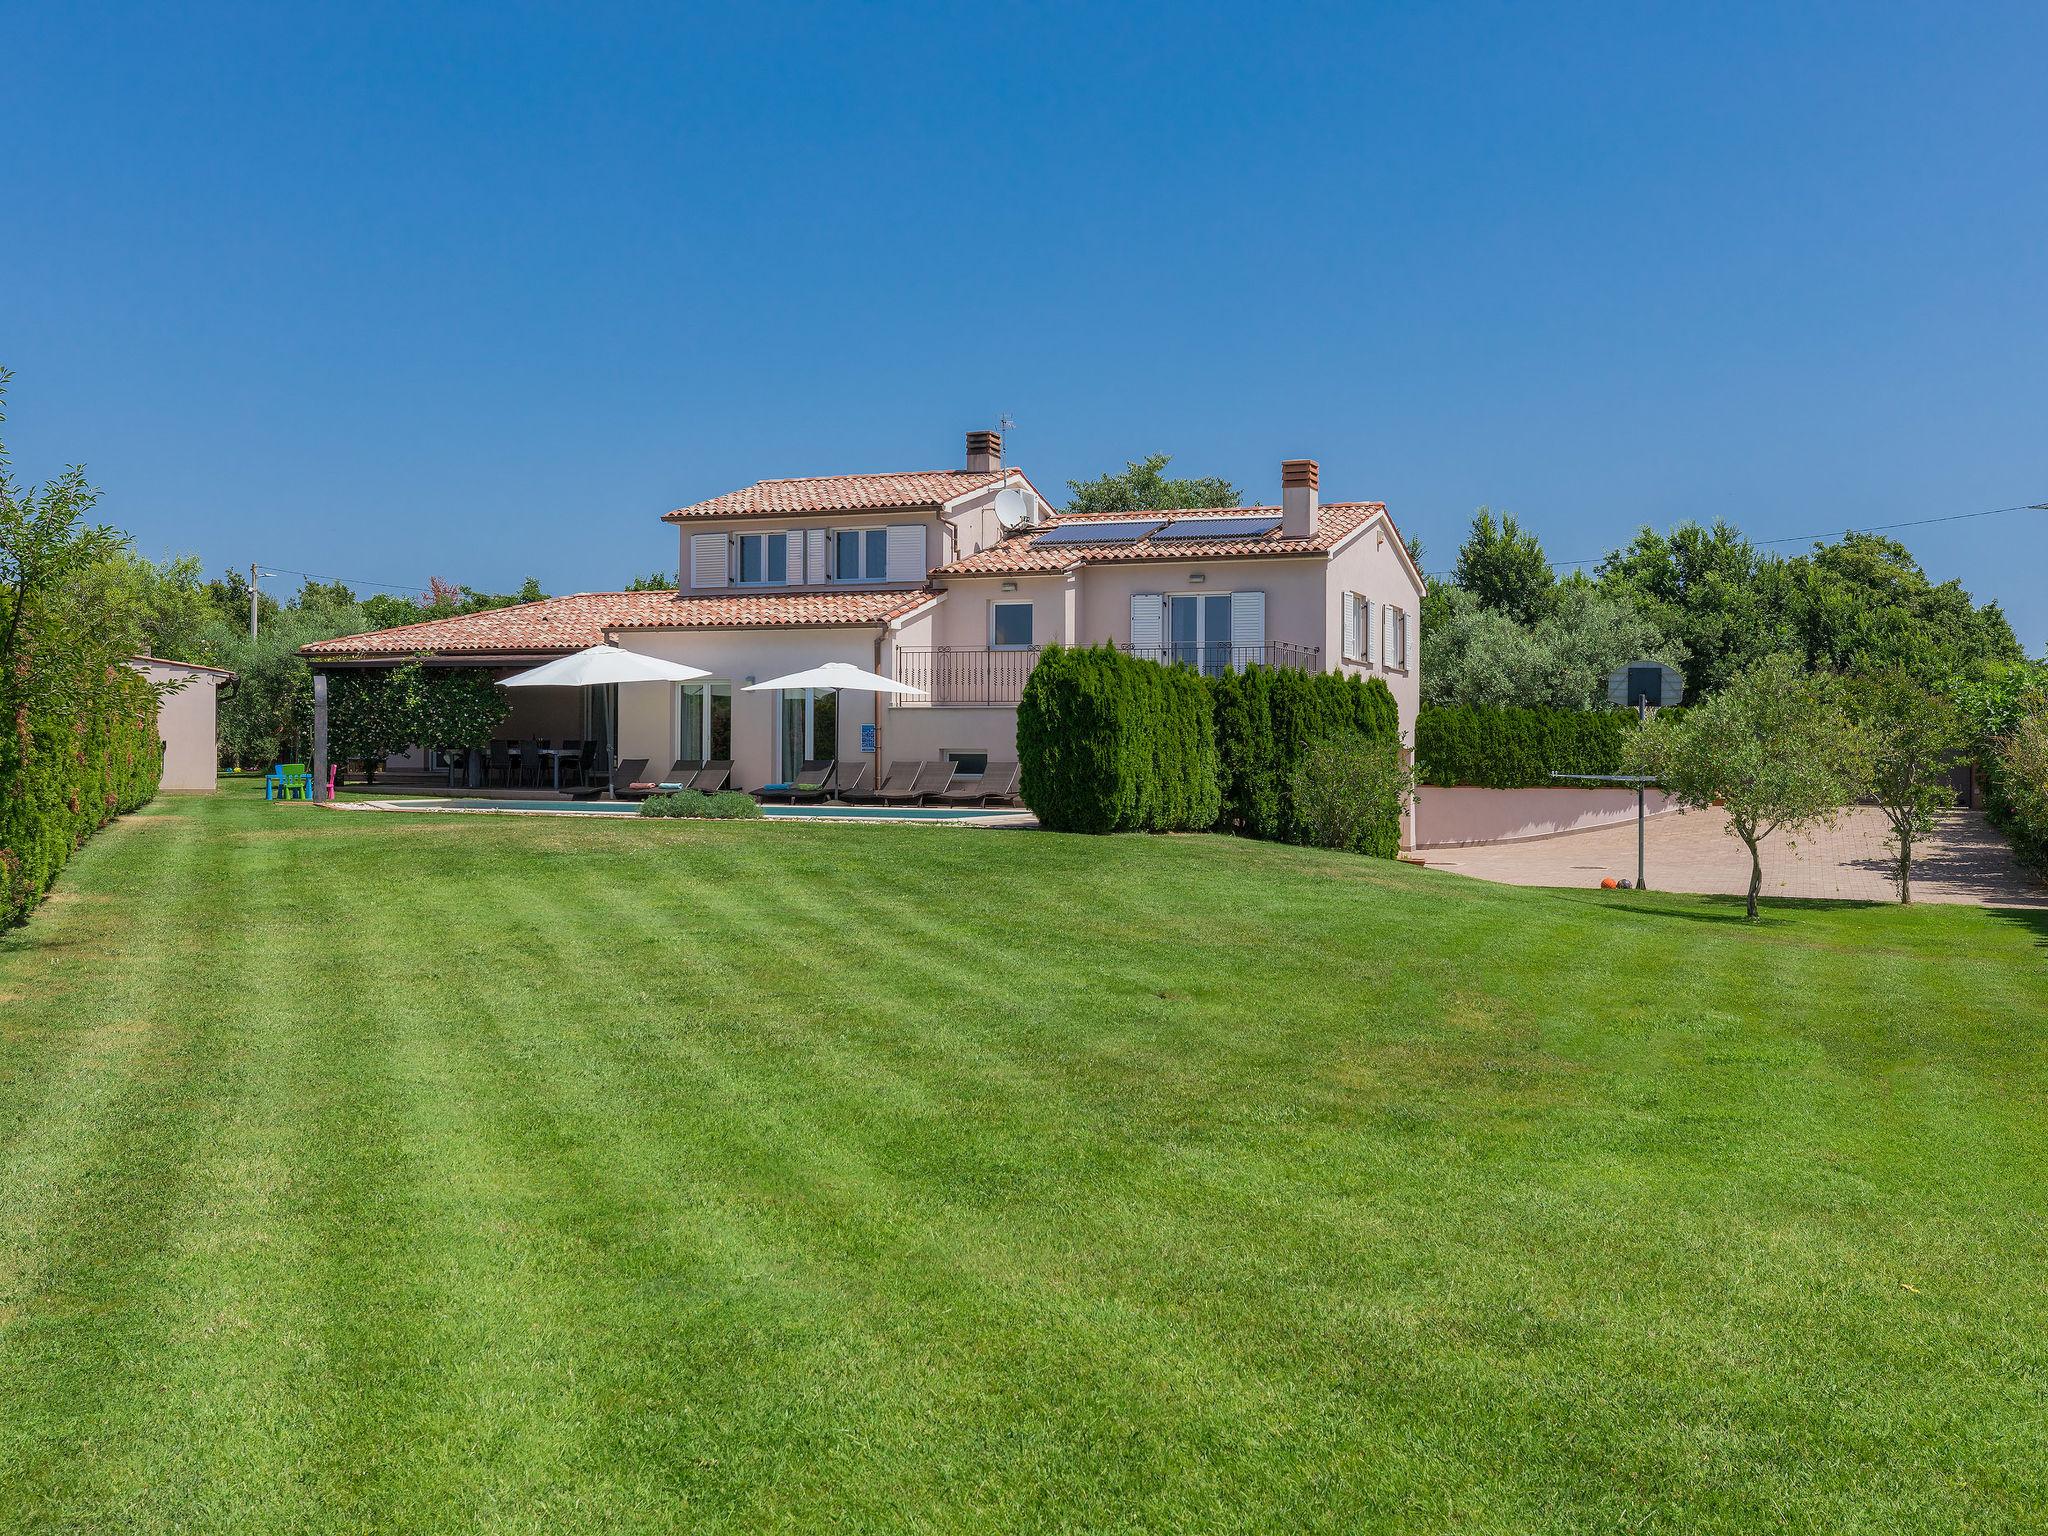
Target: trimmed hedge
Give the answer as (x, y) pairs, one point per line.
(1109, 743)
(1516, 748)
(77, 757)
(1267, 718)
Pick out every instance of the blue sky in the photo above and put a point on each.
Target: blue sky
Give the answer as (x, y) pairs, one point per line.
(478, 292)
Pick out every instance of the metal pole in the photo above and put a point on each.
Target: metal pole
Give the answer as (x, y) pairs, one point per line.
(252, 599)
(1642, 881)
(319, 735)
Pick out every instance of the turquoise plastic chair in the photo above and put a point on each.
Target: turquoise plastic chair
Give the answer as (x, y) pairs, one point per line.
(288, 781)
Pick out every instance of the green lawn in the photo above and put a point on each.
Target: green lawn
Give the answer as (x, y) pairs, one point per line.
(369, 1172)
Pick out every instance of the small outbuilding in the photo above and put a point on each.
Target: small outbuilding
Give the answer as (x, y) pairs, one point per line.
(186, 721)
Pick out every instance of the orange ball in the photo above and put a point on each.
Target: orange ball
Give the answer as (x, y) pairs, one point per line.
(1607, 884)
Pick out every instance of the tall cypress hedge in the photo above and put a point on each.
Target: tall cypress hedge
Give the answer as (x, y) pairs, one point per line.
(1267, 718)
(1517, 748)
(1109, 743)
(75, 759)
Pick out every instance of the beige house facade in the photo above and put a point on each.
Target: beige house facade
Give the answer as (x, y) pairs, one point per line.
(952, 581)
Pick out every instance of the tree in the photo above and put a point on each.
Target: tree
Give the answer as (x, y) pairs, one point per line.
(1473, 654)
(152, 608)
(1775, 746)
(653, 581)
(1708, 590)
(1144, 487)
(1503, 566)
(1914, 738)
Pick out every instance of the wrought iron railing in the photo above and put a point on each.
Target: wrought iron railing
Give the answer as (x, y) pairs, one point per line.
(979, 674)
(964, 674)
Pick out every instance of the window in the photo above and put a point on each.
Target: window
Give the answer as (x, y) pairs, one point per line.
(1357, 628)
(764, 558)
(968, 765)
(860, 554)
(1009, 626)
(1198, 632)
(704, 722)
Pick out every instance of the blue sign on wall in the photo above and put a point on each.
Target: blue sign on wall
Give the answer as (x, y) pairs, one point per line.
(867, 736)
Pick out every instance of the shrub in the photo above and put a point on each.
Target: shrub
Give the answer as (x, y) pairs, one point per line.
(1348, 792)
(1267, 718)
(1517, 748)
(728, 805)
(1110, 743)
(2017, 771)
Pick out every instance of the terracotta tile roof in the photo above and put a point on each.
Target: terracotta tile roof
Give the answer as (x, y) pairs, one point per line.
(840, 493)
(1021, 555)
(559, 625)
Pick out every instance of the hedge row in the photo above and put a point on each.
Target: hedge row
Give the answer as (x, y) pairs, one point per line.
(1516, 748)
(78, 756)
(1108, 743)
(1267, 718)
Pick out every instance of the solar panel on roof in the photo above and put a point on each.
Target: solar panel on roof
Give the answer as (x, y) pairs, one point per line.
(1216, 528)
(1099, 533)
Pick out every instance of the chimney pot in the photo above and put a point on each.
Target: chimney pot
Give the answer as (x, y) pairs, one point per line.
(1299, 498)
(984, 452)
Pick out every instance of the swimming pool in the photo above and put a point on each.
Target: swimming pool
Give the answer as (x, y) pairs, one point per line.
(936, 813)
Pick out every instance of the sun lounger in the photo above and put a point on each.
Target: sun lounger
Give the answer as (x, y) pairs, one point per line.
(997, 782)
(896, 781)
(631, 778)
(930, 779)
(856, 788)
(813, 782)
(711, 778)
(677, 777)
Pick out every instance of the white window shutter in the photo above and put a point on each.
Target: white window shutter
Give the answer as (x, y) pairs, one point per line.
(1407, 638)
(1148, 624)
(708, 567)
(906, 552)
(1386, 636)
(1351, 626)
(814, 556)
(1365, 630)
(1247, 628)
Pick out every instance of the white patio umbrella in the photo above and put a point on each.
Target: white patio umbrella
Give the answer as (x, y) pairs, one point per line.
(599, 665)
(837, 674)
(842, 675)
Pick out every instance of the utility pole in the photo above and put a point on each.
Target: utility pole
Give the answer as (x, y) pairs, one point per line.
(252, 599)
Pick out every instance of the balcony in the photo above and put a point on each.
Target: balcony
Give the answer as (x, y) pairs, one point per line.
(981, 676)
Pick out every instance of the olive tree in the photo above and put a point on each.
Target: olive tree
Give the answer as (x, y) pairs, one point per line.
(1914, 739)
(1775, 748)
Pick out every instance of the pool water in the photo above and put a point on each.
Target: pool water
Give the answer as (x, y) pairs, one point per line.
(777, 812)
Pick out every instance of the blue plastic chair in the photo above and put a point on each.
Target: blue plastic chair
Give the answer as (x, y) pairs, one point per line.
(288, 781)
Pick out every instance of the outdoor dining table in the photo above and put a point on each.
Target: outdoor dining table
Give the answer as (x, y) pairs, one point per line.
(554, 756)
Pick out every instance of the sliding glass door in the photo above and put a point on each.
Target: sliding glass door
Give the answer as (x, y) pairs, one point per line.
(808, 725)
(704, 722)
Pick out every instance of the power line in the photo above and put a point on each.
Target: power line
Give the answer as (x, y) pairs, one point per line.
(347, 581)
(1808, 538)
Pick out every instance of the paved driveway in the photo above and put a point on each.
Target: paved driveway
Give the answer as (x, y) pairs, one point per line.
(1968, 861)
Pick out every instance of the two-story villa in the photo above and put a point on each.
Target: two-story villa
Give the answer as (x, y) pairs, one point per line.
(951, 580)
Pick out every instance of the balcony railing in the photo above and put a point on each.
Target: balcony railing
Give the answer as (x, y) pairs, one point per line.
(976, 674)
(964, 674)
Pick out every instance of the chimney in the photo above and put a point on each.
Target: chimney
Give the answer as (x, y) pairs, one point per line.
(1298, 498)
(984, 452)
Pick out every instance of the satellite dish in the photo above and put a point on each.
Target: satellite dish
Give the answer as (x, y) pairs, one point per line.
(1014, 509)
